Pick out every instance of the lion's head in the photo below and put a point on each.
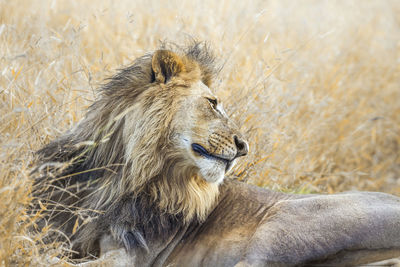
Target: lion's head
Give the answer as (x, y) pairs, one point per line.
(200, 131)
(157, 131)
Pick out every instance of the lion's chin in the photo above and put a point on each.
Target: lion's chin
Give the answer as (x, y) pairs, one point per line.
(212, 171)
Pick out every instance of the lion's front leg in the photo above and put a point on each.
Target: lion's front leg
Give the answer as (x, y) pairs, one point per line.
(117, 258)
(342, 229)
(111, 254)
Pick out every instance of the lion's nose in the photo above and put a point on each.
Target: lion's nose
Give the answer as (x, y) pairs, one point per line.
(241, 146)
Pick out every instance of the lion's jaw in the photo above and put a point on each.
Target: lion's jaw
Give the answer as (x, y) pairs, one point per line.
(211, 170)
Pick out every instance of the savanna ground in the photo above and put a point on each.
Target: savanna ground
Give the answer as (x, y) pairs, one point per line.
(315, 86)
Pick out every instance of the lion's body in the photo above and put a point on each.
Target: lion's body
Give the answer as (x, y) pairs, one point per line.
(251, 226)
(258, 227)
(144, 170)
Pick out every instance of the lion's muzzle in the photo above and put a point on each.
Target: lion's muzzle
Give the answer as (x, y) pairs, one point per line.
(222, 150)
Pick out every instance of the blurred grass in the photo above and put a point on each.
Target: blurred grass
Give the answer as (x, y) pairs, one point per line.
(315, 86)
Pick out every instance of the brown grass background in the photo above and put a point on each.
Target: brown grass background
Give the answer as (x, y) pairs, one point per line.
(315, 85)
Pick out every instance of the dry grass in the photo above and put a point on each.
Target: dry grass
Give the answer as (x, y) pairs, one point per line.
(315, 84)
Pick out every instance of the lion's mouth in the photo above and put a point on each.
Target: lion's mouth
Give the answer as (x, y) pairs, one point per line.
(203, 152)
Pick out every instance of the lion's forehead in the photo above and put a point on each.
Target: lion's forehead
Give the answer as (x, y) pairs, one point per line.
(201, 88)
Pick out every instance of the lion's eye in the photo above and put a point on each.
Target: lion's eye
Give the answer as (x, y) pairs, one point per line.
(213, 102)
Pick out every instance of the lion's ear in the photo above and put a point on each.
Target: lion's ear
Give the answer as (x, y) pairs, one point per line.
(166, 64)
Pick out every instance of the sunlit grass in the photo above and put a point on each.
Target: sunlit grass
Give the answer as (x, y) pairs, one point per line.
(315, 85)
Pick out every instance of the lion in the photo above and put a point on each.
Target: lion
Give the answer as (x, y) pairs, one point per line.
(140, 180)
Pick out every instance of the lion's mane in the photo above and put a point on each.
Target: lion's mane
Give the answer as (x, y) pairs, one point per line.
(115, 170)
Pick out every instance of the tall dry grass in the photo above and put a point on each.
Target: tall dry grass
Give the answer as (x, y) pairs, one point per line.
(314, 84)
